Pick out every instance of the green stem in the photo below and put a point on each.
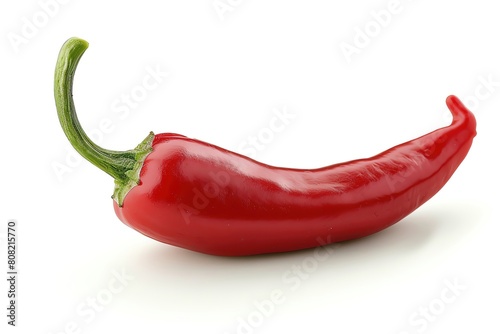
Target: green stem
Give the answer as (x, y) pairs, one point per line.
(123, 166)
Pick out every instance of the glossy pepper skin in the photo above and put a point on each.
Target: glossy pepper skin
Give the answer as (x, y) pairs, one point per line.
(201, 197)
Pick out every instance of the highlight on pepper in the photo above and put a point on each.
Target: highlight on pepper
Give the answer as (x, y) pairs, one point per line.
(198, 196)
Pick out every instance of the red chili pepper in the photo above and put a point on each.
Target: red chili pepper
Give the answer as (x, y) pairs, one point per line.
(198, 196)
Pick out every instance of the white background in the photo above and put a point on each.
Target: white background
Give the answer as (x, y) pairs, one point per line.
(228, 74)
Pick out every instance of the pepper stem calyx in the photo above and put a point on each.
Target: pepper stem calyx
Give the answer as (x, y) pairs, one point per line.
(123, 166)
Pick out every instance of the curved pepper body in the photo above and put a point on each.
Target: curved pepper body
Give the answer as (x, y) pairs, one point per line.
(198, 196)
(204, 198)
